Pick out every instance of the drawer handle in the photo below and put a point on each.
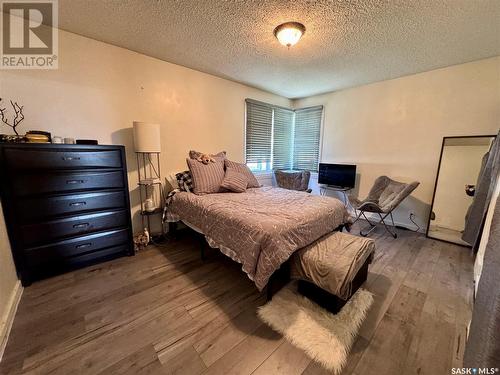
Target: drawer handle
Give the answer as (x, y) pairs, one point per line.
(72, 182)
(78, 204)
(83, 245)
(82, 225)
(69, 158)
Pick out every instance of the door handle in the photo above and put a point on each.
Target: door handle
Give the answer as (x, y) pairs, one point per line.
(72, 182)
(69, 158)
(82, 225)
(77, 204)
(83, 245)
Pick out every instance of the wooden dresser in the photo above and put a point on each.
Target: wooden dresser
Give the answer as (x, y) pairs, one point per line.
(65, 206)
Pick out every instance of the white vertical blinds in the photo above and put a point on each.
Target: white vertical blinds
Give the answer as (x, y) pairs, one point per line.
(307, 138)
(281, 138)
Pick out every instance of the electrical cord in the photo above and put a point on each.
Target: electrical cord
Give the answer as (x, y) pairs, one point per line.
(412, 215)
(153, 166)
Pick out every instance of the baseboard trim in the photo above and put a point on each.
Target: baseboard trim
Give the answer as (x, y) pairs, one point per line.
(9, 315)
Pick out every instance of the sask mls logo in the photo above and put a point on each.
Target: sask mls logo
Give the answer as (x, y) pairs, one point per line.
(29, 34)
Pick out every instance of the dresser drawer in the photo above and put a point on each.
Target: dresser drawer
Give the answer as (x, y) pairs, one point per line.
(48, 231)
(34, 208)
(24, 184)
(76, 246)
(43, 267)
(56, 159)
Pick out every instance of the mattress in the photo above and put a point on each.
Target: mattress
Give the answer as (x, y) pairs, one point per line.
(262, 227)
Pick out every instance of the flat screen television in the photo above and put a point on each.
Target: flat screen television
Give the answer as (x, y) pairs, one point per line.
(339, 175)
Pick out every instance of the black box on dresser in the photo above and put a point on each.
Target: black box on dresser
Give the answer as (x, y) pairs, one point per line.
(65, 206)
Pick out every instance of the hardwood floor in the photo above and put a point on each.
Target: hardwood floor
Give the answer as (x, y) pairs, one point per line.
(165, 311)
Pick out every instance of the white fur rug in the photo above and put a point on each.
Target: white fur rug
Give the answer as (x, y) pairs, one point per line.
(325, 337)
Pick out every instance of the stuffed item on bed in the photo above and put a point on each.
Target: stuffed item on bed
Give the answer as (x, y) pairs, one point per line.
(206, 158)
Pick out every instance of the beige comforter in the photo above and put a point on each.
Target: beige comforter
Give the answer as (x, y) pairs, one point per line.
(262, 227)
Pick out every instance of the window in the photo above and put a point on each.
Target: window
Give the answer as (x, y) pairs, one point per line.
(281, 138)
(306, 138)
(282, 145)
(259, 136)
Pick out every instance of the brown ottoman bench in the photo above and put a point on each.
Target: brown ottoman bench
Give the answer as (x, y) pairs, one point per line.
(331, 269)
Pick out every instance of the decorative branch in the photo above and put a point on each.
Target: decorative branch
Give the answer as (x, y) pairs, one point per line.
(18, 118)
(19, 113)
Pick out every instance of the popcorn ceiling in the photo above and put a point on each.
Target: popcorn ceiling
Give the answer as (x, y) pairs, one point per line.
(346, 44)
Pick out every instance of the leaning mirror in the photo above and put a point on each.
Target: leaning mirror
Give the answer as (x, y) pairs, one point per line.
(460, 165)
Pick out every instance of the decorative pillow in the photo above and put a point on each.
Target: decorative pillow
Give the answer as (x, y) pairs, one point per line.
(234, 181)
(243, 169)
(185, 181)
(207, 178)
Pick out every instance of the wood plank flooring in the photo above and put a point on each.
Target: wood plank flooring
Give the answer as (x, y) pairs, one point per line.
(165, 311)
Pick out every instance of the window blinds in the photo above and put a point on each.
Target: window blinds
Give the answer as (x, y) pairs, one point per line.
(259, 136)
(307, 138)
(281, 138)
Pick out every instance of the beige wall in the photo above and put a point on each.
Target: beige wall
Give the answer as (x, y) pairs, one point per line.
(100, 89)
(396, 127)
(8, 277)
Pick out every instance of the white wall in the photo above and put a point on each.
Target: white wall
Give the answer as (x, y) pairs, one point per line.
(396, 127)
(460, 166)
(100, 89)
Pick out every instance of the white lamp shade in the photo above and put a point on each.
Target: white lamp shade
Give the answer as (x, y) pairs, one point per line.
(146, 137)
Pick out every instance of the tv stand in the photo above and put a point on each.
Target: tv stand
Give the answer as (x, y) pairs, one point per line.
(337, 188)
(344, 190)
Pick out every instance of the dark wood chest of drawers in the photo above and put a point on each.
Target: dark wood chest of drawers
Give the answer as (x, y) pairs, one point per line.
(65, 206)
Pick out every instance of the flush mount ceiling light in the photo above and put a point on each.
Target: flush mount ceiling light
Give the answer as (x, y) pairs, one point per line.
(289, 33)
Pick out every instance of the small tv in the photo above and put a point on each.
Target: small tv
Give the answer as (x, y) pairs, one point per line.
(338, 175)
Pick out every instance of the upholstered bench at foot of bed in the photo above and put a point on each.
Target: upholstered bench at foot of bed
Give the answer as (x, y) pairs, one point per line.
(331, 269)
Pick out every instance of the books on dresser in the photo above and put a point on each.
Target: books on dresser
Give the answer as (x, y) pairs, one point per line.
(65, 206)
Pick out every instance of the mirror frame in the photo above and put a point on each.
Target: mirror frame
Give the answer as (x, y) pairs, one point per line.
(436, 181)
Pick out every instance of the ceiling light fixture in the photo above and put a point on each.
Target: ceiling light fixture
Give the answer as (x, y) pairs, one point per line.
(289, 33)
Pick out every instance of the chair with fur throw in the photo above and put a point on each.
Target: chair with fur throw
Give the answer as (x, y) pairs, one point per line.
(298, 180)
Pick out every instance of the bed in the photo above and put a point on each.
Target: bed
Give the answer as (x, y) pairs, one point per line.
(260, 228)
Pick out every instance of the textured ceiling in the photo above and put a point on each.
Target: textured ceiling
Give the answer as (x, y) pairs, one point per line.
(347, 43)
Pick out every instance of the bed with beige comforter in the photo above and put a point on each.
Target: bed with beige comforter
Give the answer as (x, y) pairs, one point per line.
(262, 227)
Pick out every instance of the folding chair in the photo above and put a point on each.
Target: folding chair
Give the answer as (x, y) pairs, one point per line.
(385, 195)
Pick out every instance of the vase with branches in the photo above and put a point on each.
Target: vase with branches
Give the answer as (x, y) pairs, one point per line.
(18, 115)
